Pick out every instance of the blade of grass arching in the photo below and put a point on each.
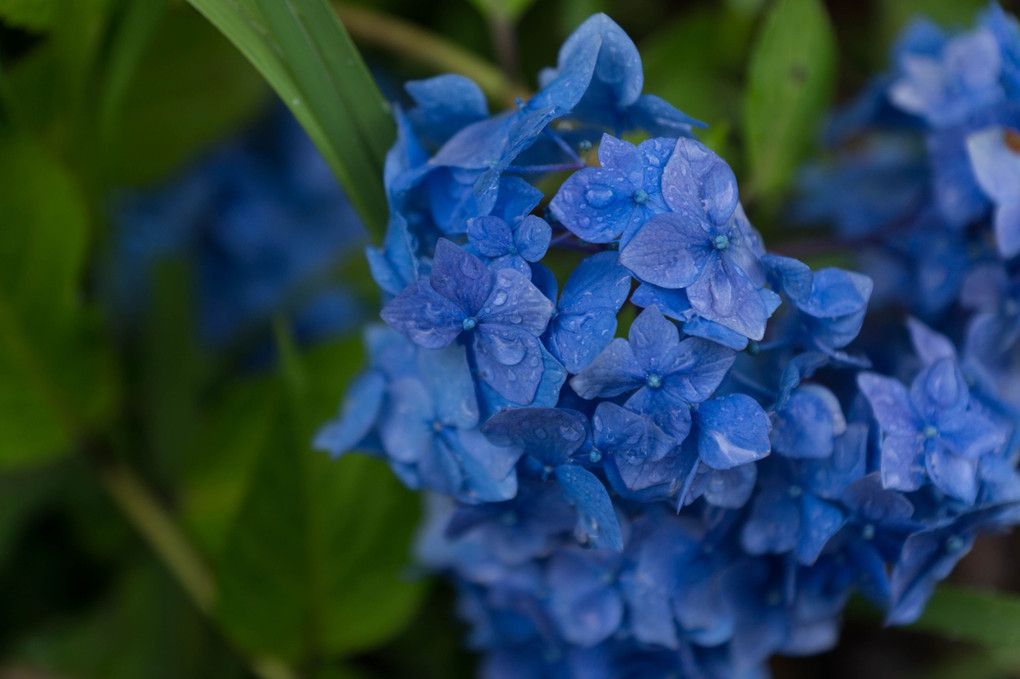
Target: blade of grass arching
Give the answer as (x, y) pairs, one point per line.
(277, 39)
(354, 81)
(328, 95)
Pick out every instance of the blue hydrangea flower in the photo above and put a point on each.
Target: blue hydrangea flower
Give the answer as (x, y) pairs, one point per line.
(930, 433)
(502, 312)
(949, 86)
(665, 374)
(510, 246)
(261, 224)
(606, 203)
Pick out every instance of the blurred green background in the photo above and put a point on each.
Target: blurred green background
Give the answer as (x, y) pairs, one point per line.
(161, 511)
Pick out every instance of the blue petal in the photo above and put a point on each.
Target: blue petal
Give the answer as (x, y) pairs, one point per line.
(586, 321)
(902, 463)
(791, 276)
(448, 377)
(733, 430)
(804, 427)
(460, 276)
(532, 238)
(668, 250)
(358, 415)
(954, 476)
(550, 435)
(820, 520)
(613, 372)
(585, 609)
(929, 345)
(595, 204)
(970, 434)
(406, 428)
(629, 435)
(698, 181)
(890, 403)
(596, 516)
(423, 315)
(489, 474)
(773, 525)
(510, 360)
(696, 368)
(1007, 228)
(656, 341)
(490, 236)
(723, 294)
(515, 302)
(445, 104)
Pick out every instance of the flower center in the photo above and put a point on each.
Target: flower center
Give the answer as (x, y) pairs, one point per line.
(469, 323)
(954, 544)
(721, 242)
(654, 380)
(595, 456)
(795, 491)
(868, 531)
(640, 196)
(437, 426)
(930, 432)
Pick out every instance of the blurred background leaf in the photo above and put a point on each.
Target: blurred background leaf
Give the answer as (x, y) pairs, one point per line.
(790, 81)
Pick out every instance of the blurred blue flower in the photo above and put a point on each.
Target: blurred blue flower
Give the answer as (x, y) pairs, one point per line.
(261, 225)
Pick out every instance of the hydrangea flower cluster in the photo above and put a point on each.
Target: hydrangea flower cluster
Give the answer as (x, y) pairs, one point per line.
(648, 447)
(262, 224)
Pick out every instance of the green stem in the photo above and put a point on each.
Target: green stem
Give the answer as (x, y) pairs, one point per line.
(381, 30)
(156, 526)
(159, 530)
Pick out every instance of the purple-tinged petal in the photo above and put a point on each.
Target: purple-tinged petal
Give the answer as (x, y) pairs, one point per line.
(724, 295)
(696, 179)
(970, 434)
(460, 276)
(515, 302)
(890, 403)
(613, 372)
(669, 250)
(423, 315)
(695, 369)
(550, 435)
(490, 236)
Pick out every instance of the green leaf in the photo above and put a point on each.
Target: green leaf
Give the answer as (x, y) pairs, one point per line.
(986, 618)
(313, 564)
(58, 370)
(304, 52)
(789, 84)
(34, 15)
